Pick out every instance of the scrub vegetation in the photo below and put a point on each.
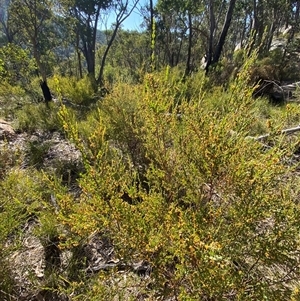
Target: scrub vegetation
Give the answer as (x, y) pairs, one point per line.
(153, 180)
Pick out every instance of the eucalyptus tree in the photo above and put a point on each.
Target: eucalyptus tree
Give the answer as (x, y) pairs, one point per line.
(121, 9)
(176, 25)
(190, 22)
(129, 56)
(265, 18)
(217, 37)
(37, 32)
(85, 16)
(7, 29)
(170, 36)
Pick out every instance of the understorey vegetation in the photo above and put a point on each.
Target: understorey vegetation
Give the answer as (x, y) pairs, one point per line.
(132, 169)
(172, 195)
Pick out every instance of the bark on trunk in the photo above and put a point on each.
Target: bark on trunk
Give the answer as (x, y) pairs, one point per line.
(46, 91)
(189, 54)
(224, 32)
(209, 55)
(78, 55)
(103, 61)
(43, 83)
(151, 29)
(214, 55)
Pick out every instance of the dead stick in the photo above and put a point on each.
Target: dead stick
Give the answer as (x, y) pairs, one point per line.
(283, 132)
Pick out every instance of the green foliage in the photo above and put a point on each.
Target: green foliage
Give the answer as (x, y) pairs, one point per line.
(11, 94)
(16, 67)
(115, 75)
(126, 62)
(16, 71)
(275, 66)
(265, 68)
(24, 196)
(8, 159)
(18, 86)
(79, 92)
(36, 153)
(171, 173)
(33, 117)
(12, 216)
(210, 209)
(6, 279)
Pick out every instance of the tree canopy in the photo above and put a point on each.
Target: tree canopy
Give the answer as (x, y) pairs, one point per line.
(194, 34)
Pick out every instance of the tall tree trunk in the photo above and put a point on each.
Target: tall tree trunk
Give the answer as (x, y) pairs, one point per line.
(260, 25)
(270, 35)
(88, 39)
(152, 34)
(89, 55)
(151, 17)
(79, 63)
(189, 54)
(212, 27)
(78, 55)
(179, 50)
(122, 15)
(100, 81)
(43, 83)
(218, 50)
(254, 25)
(221, 42)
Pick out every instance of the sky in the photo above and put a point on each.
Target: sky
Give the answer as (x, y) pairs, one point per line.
(133, 22)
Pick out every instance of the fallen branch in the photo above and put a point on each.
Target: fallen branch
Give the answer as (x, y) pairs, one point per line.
(140, 268)
(283, 132)
(291, 87)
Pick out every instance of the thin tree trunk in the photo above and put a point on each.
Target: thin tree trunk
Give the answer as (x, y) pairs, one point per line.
(270, 36)
(179, 50)
(89, 46)
(43, 83)
(260, 26)
(110, 42)
(253, 29)
(209, 55)
(218, 51)
(224, 32)
(78, 56)
(79, 64)
(189, 54)
(151, 18)
(152, 35)
(119, 20)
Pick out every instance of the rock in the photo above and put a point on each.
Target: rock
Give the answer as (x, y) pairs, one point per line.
(63, 158)
(278, 44)
(6, 130)
(273, 90)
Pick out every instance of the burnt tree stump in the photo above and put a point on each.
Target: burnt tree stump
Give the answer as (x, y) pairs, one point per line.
(46, 91)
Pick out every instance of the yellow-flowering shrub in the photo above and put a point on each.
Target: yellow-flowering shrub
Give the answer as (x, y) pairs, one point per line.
(177, 182)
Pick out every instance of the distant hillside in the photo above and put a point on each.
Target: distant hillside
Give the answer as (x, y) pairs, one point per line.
(3, 9)
(101, 38)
